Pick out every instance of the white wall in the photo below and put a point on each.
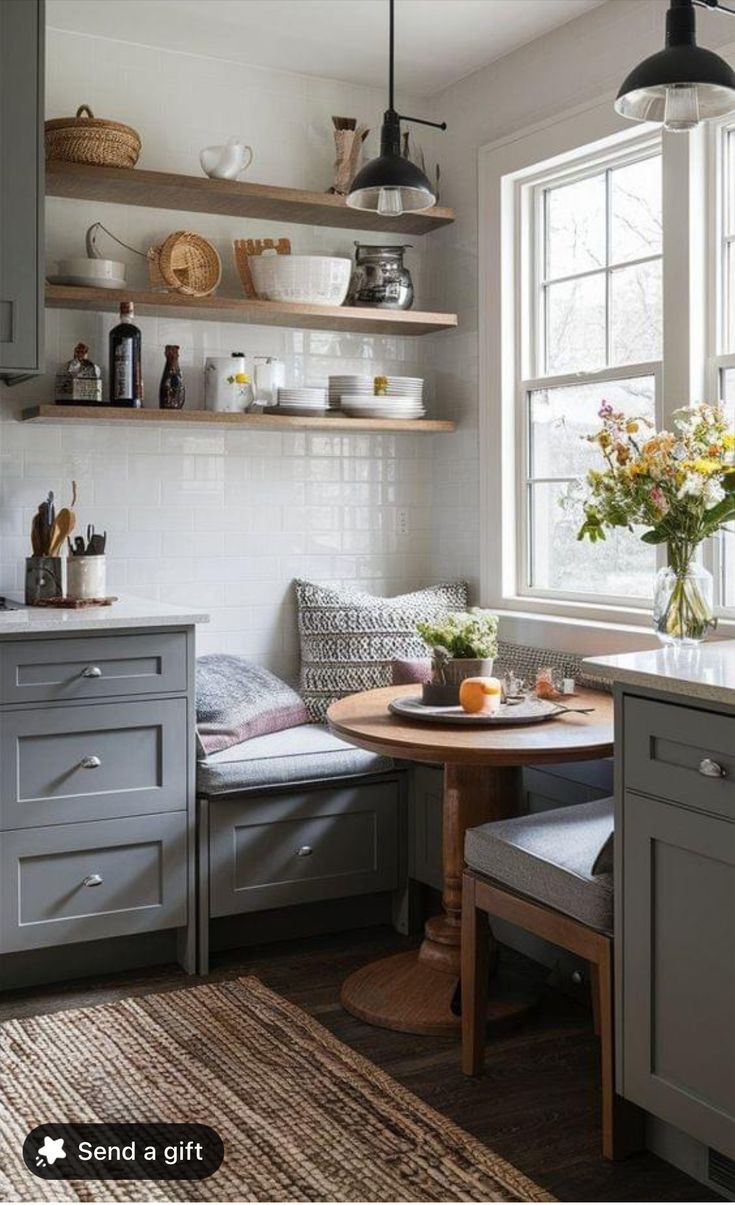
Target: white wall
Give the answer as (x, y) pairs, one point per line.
(221, 520)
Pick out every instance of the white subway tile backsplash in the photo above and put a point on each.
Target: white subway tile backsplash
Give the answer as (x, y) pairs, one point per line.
(226, 519)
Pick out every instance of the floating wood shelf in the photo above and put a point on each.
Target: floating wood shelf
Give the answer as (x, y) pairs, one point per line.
(199, 194)
(198, 418)
(265, 313)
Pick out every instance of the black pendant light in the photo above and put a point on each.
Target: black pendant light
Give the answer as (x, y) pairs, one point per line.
(391, 184)
(682, 84)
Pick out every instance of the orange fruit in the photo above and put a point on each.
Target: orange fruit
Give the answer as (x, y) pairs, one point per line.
(480, 695)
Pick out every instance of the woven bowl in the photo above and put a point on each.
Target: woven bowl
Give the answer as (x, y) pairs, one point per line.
(90, 139)
(309, 279)
(187, 263)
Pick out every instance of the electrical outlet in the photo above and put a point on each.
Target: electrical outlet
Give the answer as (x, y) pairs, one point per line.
(402, 522)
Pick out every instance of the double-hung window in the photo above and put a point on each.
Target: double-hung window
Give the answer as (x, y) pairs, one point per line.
(589, 322)
(722, 326)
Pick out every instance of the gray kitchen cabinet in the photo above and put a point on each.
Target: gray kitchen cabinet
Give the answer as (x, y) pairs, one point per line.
(675, 919)
(97, 807)
(22, 24)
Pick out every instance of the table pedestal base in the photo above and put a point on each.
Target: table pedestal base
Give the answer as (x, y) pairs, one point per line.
(404, 992)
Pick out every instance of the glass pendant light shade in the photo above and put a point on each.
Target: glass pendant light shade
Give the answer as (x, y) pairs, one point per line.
(681, 85)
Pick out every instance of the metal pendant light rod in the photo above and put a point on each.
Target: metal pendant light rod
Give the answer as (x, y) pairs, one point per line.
(437, 125)
(715, 4)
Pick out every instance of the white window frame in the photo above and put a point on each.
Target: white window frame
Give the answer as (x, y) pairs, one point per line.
(531, 349)
(504, 168)
(719, 319)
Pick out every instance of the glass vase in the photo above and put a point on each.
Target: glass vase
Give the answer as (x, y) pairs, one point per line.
(683, 601)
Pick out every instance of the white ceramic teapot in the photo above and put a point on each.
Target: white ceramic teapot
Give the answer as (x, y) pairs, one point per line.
(226, 162)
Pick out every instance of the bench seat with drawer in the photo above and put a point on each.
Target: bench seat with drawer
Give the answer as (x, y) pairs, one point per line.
(292, 818)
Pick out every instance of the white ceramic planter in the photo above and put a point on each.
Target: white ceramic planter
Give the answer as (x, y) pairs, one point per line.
(86, 577)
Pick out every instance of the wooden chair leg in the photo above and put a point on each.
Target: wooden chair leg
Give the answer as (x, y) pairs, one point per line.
(623, 1124)
(475, 938)
(595, 992)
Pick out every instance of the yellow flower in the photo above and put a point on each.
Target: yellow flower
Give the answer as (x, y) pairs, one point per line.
(707, 467)
(728, 442)
(631, 427)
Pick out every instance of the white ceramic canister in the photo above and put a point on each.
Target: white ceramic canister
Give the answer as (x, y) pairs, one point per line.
(86, 576)
(227, 383)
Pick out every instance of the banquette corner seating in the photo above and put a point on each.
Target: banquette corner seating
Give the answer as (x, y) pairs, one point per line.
(550, 874)
(296, 817)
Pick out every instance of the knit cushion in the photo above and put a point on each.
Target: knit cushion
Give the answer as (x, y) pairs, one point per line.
(309, 753)
(349, 638)
(237, 700)
(549, 857)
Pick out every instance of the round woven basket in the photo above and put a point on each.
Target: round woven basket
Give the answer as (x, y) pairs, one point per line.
(187, 263)
(89, 139)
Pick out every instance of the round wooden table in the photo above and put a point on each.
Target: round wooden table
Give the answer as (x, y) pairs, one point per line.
(415, 992)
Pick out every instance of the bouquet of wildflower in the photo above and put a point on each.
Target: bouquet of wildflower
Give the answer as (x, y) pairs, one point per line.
(472, 633)
(679, 485)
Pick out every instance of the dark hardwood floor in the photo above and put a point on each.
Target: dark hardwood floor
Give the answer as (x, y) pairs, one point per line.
(537, 1104)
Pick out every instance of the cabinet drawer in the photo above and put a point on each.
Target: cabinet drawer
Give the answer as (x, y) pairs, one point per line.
(668, 748)
(92, 667)
(317, 845)
(80, 882)
(65, 764)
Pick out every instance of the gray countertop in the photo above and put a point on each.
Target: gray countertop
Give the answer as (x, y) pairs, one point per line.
(127, 612)
(705, 671)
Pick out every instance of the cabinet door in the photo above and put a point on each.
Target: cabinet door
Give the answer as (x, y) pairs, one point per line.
(678, 988)
(21, 186)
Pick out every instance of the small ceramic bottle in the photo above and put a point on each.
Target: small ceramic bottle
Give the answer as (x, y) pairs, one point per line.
(172, 391)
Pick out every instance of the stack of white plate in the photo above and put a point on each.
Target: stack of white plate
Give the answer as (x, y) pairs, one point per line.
(300, 402)
(348, 384)
(408, 387)
(362, 406)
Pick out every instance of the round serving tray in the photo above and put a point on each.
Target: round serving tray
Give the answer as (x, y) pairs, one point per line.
(530, 711)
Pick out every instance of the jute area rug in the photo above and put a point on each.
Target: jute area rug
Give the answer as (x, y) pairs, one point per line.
(303, 1117)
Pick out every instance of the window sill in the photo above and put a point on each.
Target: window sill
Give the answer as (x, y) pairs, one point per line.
(585, 637)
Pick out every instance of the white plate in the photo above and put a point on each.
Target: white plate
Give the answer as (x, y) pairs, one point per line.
(530, 711)
(381, 414)
(296, 411)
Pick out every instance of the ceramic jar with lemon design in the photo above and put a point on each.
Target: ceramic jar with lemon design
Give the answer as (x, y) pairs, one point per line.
(227, 384)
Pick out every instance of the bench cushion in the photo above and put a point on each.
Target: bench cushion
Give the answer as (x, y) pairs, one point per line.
(309, 753)
(549, 857)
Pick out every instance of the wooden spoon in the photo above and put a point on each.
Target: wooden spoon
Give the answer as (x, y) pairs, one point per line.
(63, 526)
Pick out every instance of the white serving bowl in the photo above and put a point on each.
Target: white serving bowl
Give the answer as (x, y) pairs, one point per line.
(92, 273)
(310, 279)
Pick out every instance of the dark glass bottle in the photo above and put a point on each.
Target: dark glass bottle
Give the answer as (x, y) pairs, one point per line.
(126, 378)
(172, 391)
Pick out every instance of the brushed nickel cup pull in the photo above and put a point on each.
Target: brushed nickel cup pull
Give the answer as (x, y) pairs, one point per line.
(304, 851)
(711, 769)
(92, 880)
(92, 671)
(90, 763)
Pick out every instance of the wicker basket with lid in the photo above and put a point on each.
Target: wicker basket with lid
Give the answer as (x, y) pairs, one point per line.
(89, 139)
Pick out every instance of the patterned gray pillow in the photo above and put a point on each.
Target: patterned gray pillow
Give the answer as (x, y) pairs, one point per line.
(349, 638)
(237, 700)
